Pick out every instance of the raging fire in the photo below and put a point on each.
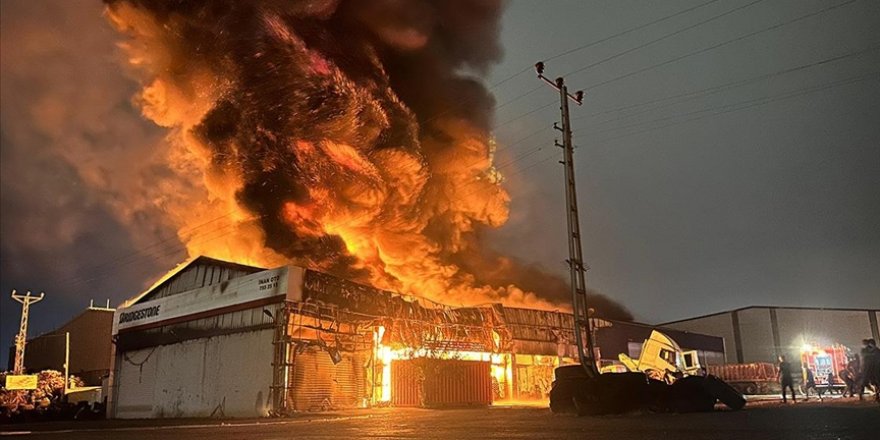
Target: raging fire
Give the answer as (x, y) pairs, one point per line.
(350, 138)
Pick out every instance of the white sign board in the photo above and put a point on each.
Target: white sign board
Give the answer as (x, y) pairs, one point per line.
(284, 281)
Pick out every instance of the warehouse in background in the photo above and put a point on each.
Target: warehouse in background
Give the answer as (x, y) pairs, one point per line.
(90, 346)
(761, 334)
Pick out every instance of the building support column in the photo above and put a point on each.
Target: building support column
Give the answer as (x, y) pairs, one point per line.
(872, 318)
(737, 338)
(281, 362)
(514, 375)
(774, 328)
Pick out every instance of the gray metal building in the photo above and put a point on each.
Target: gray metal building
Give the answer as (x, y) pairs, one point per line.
(761, 333)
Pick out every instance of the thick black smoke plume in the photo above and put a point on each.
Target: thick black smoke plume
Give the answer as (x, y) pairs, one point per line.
(349, 136)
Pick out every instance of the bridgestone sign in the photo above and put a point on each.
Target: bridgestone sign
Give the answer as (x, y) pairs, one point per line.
(283, 283)
(137, 315)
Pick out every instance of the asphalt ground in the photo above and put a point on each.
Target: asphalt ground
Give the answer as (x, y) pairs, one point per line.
(837, 419)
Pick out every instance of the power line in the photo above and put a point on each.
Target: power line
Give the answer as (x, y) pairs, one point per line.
(742, 105)
(669, 35)
(730, 85)
(716, 46)
(693, 94)
(230, 228)
(524, 70)
(627, 31)
(523, 155)
(664, 37)
(516, 98)
(531, 134)
(760, 101)
(719, 88)
(528, 68)
(124, 257)
(142, 256)
(516, 118)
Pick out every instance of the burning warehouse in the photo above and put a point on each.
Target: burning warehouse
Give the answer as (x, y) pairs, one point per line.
(218, 338)
(304, 135)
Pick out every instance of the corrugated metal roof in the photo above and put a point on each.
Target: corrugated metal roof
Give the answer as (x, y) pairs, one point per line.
(833, 309)
(171, 278)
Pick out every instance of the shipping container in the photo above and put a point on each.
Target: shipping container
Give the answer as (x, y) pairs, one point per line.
(440, 383)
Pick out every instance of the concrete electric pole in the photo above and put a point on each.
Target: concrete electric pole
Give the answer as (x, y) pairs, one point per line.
(21, 338)
(577, 269)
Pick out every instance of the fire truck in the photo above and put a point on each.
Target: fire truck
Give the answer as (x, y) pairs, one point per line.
(823, 360)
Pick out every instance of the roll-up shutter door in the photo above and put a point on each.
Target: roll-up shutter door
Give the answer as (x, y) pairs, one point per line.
(319, 385)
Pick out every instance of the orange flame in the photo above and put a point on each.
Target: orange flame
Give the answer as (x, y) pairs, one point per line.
(403, 199)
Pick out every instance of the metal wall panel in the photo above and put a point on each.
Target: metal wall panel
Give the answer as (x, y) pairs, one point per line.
(796, 327)
(135, 380)
(90, 348)
(715, 325)
(757, 335)
(227, 375)
(823, 327)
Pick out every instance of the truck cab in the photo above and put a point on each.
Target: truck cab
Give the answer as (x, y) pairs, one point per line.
(661, 358)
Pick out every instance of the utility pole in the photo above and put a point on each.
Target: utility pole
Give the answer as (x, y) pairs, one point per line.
(66, 363)
(580, 310)
(21, 338)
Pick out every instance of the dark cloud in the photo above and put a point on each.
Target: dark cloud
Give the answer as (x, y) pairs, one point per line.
(79, 166)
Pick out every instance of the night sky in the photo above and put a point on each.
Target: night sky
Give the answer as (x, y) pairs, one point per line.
(728, 155)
